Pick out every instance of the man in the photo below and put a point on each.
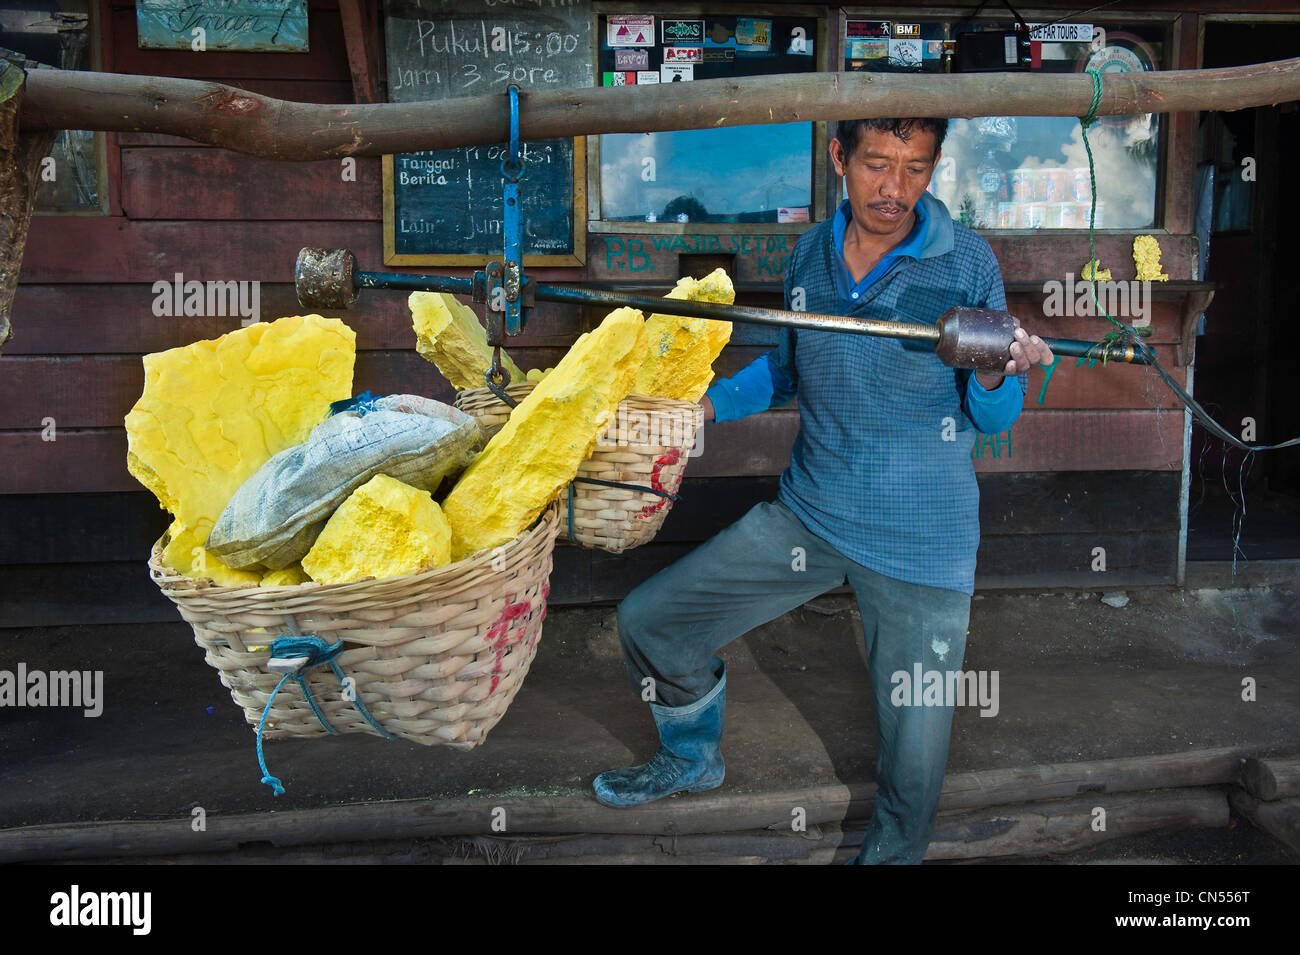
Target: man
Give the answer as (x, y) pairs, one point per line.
(880, 488)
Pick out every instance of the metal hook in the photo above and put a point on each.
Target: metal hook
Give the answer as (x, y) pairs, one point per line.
(512, 166)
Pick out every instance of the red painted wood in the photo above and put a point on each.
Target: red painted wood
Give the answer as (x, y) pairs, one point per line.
(1164, 321)
(159, 183)
(1036, 258)
(80, 461)
(97, 391)
(1087, 441)
(1112, 386)
(100, 249)
(101, 319)
(1179, 185)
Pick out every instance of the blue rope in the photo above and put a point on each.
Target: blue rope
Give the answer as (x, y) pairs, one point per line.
(362, 404)
(317, 652)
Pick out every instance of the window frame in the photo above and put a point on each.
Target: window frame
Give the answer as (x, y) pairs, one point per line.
(820, 166)
(1166, 162)
(94, 57)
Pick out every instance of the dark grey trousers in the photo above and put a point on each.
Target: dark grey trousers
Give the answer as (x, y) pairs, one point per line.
(766, 564)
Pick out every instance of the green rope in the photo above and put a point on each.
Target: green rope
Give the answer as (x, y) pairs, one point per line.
(1123, 334)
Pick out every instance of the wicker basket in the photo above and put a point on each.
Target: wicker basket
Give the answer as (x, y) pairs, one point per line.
(487, 409)
(647, 445)
(435, 656)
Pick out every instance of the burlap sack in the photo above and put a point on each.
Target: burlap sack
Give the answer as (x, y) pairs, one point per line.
(277, 514)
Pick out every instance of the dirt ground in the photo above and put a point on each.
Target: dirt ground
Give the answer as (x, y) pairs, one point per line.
(1079, 680)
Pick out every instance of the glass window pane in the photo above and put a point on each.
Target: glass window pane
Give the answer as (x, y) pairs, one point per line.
(1008, 172)
(736, 174)
(740, 174)
(1031, 172)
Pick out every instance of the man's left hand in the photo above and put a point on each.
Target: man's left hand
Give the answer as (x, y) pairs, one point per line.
(1027, 350)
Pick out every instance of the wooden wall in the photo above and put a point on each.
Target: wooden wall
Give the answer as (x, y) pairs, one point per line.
(1094, 461)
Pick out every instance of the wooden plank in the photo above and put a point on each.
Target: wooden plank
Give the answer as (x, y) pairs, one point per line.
(113, 526)
(756, 259)
(1067, 825)
(1035, 258)
(1114, 385)
(1280, 819)
(1086, 441)
(77, 461)
(1273, 777)
(714, 812)
(100, 249)
(75, 594)
(193, 183)
(1015, 561)
(1165, 321)
(360, 34)
(1179, 181)
(753, 446)
(658, 259)
(81, 461)
(97, 319)
(79, 528)
(1077, 502)
(97, 391)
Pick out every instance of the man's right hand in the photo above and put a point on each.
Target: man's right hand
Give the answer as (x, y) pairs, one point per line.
(707, 404)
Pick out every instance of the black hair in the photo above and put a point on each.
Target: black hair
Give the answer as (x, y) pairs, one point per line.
(849, 131)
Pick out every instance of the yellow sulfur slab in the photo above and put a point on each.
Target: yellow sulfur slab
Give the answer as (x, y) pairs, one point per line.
(449, 334)
(288, 577)
(1146, 256)
(681, 351)
(552, 431)
(1103, 275)
(384, 528)
(215, 411)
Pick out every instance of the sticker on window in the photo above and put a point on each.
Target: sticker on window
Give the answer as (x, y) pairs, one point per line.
(631, 31)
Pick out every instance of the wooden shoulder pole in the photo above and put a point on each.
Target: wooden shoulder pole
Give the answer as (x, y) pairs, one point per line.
(259, 125)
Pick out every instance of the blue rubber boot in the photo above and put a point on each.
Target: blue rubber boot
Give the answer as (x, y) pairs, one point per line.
(689, 757)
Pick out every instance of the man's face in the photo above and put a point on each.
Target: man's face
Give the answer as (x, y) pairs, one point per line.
(885, 177)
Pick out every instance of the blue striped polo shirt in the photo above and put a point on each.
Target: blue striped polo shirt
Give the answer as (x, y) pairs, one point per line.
(881, 468)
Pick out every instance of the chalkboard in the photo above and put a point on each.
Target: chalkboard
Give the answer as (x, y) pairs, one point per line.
(445, 206)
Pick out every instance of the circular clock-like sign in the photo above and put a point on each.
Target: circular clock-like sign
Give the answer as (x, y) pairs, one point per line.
(1123, 53)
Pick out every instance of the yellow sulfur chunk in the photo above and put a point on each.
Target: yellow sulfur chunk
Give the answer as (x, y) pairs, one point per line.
(1086, 272)
(288, 577)
(186, 554)
(384, 528)
(449, 334)
(215, 411)
(1146, 256)
(537, 374)
(548, 435)
(681, 350)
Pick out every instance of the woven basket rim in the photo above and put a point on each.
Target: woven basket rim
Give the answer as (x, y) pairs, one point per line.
(634, 397)
(172, 582)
